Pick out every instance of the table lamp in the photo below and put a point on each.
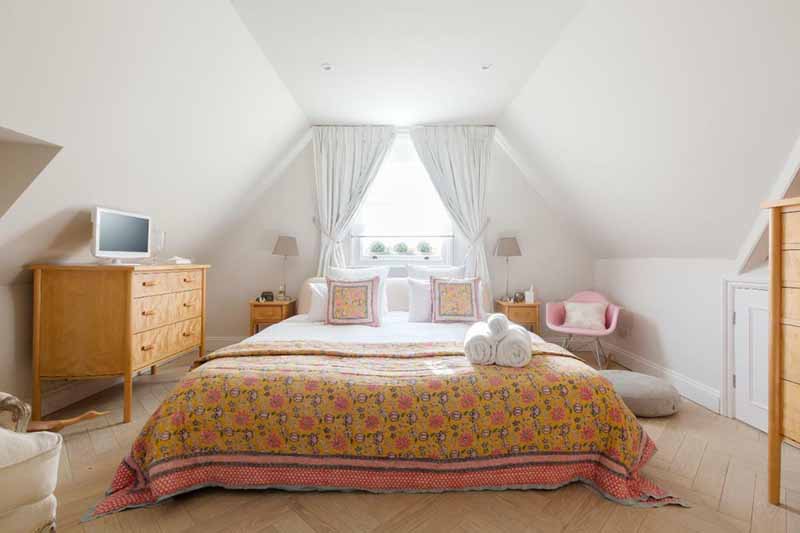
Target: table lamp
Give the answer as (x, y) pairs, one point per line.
(287, 247)
(507, 247)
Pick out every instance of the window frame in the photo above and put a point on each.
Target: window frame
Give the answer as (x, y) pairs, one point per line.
(444, 258)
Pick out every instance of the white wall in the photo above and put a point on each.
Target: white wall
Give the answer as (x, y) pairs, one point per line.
(554, 261)
(166, 108)
(672, 323)
(16, 305)
(659, 127)
(242, 260)
(663, 124)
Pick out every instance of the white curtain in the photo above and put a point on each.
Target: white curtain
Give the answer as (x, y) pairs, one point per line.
(457, 160)
(346, 160)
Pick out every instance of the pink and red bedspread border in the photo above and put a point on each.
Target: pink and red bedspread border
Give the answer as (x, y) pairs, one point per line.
(131, 487)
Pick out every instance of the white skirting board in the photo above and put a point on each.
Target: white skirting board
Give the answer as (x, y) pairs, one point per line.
(689, 388)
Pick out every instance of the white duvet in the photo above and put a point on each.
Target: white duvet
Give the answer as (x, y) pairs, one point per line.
(395, 327)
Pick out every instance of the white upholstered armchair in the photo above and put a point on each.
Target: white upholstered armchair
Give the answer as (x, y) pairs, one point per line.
(29, 464)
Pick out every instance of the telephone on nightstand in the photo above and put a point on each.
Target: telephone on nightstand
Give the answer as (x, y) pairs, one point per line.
(266, 296)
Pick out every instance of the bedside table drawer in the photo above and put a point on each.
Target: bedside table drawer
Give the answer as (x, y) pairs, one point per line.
(524, 315)
(268, 314)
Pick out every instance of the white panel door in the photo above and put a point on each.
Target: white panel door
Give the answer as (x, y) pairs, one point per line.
(751, 349)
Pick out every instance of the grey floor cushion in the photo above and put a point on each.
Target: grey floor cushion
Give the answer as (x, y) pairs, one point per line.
(645, 395)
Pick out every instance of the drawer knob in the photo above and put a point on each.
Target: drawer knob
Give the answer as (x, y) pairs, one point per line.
(186, 334)
(148, 347)
(187, 304)
(149, 312)
(187, 280)
(150, 283)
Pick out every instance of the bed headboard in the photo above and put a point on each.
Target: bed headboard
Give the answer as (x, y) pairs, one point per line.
(396, 294)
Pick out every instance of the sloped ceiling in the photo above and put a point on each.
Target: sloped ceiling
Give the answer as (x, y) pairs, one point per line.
(166, 108)
(662, 125)
(416, 61)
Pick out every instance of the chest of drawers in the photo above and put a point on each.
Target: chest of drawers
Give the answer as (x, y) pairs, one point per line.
(97, 321)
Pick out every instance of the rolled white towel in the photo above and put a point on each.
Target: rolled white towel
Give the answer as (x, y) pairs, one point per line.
(498, 325)
(478, 346)
(514, 349)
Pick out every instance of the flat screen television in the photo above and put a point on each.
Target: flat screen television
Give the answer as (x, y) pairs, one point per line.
(119, 235)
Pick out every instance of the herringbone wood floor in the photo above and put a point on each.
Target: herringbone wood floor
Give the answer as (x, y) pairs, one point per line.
(717, 464)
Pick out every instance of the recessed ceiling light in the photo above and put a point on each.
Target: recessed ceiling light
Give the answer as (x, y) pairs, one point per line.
(327, 67)
(487, 66)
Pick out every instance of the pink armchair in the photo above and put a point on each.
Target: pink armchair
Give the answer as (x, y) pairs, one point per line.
(556, 314)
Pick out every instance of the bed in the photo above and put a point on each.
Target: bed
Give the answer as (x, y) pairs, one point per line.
(306, 406)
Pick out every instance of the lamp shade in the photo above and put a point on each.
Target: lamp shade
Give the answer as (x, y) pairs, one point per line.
(286, 246)
(507, 247)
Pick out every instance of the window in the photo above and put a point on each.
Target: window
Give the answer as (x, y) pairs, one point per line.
(403, 219)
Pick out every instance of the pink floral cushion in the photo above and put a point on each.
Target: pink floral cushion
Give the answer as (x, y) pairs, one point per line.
(354, 302)
(455, 300)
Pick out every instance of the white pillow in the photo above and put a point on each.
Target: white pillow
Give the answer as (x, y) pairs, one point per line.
(361, 274)
(585, 315)
(426, 271)
(319, 302)
(419, 300)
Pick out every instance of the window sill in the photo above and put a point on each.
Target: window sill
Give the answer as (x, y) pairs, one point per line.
(400, 261)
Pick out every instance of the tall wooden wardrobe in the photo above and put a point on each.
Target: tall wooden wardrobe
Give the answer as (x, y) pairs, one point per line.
(784, 333)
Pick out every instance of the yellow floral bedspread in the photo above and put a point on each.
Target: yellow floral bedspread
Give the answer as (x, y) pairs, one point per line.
(386, 418)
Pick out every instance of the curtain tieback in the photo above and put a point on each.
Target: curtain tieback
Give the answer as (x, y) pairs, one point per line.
(325, 233)
(473, 242)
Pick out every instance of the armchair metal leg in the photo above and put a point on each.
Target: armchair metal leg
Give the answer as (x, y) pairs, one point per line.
(599, 353)
(567, 341)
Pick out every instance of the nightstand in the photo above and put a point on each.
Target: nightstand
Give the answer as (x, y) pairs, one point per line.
(523, 314)
(268, 313)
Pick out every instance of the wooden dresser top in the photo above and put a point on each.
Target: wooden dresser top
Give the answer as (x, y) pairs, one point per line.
(95, 266)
